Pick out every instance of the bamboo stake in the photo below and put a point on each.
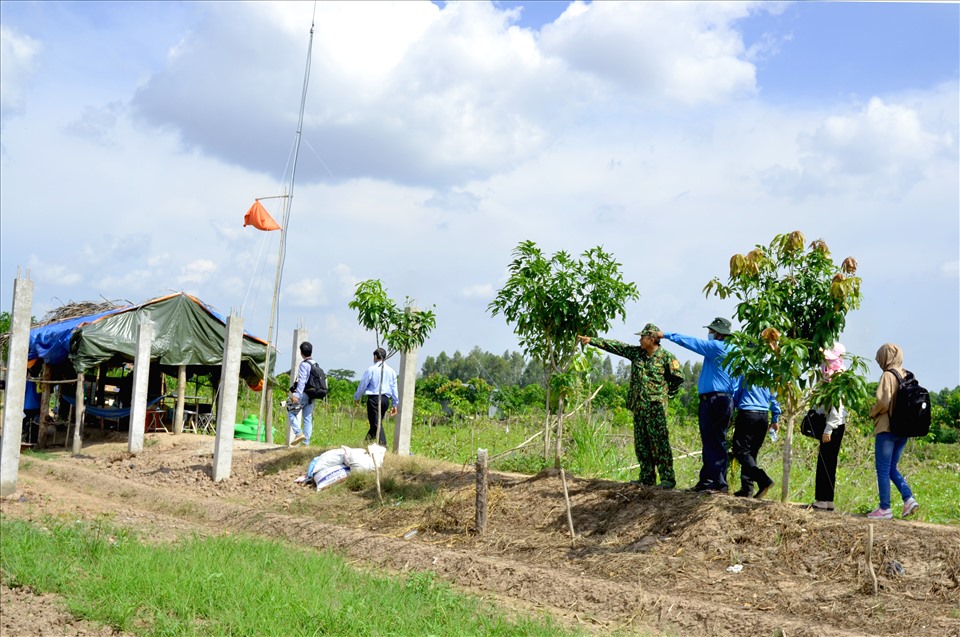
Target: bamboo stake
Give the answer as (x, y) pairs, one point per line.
(482, 476)
(873, 575)
(566, 497)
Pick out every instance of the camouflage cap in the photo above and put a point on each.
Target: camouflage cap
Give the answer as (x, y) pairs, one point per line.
(648, 330)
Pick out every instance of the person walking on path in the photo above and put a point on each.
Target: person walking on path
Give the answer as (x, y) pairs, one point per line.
(749, 431)
(655, 374)
(379, 385)
(889, 447)
(298, 401)
(829, 449)
(716, 389)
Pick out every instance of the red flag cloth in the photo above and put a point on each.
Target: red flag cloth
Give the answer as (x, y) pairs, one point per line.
(259, 218)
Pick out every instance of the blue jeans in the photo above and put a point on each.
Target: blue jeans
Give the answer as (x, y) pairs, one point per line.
(887, 452)
(307, 411)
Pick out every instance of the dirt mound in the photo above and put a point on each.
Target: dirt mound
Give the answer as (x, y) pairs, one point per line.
(666, 560)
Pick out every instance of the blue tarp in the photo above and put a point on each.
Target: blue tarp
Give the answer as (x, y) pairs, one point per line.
(52, 342)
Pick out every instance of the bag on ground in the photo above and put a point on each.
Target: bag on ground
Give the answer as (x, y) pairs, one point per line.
(813, 424)
(327, 459)
(910, 416)
(330, 475)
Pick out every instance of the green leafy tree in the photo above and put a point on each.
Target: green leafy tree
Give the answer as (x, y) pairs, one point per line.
(793, 304)
(401, 330)
(341, 374)
(549, 301)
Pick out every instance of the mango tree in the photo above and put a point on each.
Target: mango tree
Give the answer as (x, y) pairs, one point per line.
(401, 330)
(551, 300)
(793, 304)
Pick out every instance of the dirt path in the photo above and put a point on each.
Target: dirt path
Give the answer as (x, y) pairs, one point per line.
(645, 558)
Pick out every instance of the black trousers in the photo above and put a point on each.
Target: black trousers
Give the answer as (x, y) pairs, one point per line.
(383, 402)
(827, 466)
(749, 431)
(714, 414)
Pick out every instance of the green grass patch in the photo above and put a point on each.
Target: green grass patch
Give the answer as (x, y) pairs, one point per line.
(599, 448)
(236, 586)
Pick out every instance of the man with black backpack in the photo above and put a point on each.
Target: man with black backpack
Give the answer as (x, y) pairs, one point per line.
(894, 424)
(309, 385)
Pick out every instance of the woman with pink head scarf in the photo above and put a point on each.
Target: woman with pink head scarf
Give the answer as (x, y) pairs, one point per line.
(832, 434)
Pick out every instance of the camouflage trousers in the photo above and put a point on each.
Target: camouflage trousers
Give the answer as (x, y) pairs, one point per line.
(651, 441)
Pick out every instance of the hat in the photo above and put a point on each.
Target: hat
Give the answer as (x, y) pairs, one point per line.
(835, 352)
(648, 330)
(720, 325)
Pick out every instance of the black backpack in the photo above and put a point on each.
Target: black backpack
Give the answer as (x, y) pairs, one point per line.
(911, 408)
(316, 387)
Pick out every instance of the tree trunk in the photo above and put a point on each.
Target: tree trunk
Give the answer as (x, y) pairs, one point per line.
(791, 415)
(559, 452)
(546, 427)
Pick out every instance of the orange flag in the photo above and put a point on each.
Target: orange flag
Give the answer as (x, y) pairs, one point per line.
(259, 218)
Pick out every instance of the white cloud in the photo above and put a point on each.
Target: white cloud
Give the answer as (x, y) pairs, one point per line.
(52, 273)
(884, 147)
(197, 271)
(306, 293)
(950, 269)
(681, 52)
(17, 54)
(481, 291)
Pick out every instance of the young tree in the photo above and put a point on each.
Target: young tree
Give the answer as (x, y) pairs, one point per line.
(401, 330)
(793, 304)
(550, 301)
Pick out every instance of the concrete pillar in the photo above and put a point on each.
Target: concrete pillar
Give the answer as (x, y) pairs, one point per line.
(181, 398)
(404, 418)
(141, 379)
(227, 401)
(299, 336)
(18, 350)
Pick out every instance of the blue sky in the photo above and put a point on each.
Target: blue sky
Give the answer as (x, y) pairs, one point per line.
(134, 135)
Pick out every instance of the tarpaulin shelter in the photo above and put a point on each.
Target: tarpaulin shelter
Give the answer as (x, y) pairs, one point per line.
(188, 341)
(186, 331)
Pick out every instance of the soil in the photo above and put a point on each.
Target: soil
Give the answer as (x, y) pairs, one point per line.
(644, 560)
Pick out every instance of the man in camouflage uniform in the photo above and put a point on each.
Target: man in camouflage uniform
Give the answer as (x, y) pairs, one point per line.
(655, 374)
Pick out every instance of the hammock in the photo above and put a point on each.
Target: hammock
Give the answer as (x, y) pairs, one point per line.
(111, 414)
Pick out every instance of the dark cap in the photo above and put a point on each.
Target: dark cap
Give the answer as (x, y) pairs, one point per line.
(720, 325)
(648, 330)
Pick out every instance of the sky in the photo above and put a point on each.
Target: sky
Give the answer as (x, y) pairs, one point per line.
(438, 136)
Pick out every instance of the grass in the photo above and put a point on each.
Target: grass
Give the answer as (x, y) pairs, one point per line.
(597, 448)
(236, 586)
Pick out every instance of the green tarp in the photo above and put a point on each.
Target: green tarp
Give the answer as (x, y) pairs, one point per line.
(185, 332)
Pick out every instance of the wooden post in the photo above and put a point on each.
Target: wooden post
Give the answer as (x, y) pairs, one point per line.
(44, 406)
(566, 498)
(873, 575)
(78, 415)
(482, 476)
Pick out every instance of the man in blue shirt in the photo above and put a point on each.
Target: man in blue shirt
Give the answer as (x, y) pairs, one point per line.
(299, 402)
(379, 394)
(716, 389)
(749, 431)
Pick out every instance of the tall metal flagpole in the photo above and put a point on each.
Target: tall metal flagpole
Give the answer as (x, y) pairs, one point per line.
(288, 205)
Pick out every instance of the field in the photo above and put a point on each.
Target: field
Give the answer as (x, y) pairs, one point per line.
(645, 561)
